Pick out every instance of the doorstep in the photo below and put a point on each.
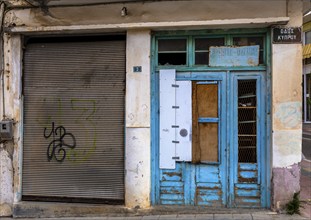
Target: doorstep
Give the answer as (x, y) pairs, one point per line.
(27, 209)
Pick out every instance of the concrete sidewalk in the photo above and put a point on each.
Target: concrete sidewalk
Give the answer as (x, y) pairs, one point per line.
(305, 178)
(259, 215)
(305, 188)
(306, 140)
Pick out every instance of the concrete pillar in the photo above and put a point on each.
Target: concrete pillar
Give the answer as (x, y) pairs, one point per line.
(6, 182)
(137, 165)
(287, 113)
(10, 151)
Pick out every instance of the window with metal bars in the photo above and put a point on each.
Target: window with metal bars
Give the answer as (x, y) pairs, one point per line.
(247, 121)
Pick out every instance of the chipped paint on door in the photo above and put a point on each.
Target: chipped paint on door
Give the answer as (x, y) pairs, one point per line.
(175, 119)
(247, 149)
(202, 183)
(236, 178)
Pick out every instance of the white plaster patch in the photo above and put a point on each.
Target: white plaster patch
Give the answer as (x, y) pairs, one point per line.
(138, 83)
(286, 148)
(289, 114)
(137, 166)
(6, 184)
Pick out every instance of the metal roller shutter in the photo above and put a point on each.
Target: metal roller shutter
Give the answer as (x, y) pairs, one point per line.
(74, 120)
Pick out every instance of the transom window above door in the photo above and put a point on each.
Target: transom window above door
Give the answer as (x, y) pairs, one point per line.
(195, 50)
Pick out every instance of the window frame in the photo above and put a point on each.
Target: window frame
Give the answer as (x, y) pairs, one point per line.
(172, 38)
(208, 120)
(193, 38)
(192, 35)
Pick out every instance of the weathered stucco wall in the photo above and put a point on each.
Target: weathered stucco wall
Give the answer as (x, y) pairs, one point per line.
(6, 182)
(10, 154)
(286, 83)
(287, 113)
(137, 165)
(167, 11)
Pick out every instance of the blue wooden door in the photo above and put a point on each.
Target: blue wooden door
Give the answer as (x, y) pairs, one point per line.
(234, 175)
(202, 182)
(248, 153)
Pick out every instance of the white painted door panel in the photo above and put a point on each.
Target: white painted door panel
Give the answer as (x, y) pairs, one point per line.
(167, 119)
(175, 120)
(183, 120)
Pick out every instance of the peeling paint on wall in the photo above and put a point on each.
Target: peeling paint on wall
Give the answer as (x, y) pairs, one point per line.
(288, 114)
(287, 144)
(286, 181)
(286, 148)
(146, 12)
(6, 183)
(138, 83)
(137, 179)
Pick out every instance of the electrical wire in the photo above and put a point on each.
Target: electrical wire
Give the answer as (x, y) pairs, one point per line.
(41, 4)
(2, 11)
(30, 3)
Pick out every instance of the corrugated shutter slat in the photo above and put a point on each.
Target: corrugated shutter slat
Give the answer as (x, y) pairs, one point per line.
(80, 86)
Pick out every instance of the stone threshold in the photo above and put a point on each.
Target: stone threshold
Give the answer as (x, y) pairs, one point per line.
(27, 209)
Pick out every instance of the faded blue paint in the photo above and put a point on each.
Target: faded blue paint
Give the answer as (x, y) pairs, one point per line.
(247, 193)
(173, 184)
(248, 166)
(234, 56)
(251, 201)
(197, 180)
(266, 154)
(208, 120)
(172, 196)
(247, 186)
(206, 198)
(171, 202)
(207, 83)
(170, 178)
(173, 189)
(207, 173)
(209, 185)
(212, 69)
(154, 127)
(192, 184)
(234, 193)
(247, 173)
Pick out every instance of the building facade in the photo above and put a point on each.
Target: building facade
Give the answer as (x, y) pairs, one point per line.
(151, 103)
(306, 70)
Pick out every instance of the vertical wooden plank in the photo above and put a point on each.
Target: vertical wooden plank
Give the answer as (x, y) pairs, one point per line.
(193, 187)
(207, 100)
(187, 183)
(208, 142)
(205, 135)
(196, 151)
(183, 120)
(167, 119)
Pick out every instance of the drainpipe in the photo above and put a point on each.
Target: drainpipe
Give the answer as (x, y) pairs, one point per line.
(2, 8)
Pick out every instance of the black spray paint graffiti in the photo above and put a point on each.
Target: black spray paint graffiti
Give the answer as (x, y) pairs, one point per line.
(56, 147)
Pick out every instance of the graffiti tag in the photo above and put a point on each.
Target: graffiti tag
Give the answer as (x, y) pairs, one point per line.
(56, 148)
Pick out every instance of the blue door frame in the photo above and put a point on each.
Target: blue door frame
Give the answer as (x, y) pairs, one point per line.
(231, 188)
(249, 194)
